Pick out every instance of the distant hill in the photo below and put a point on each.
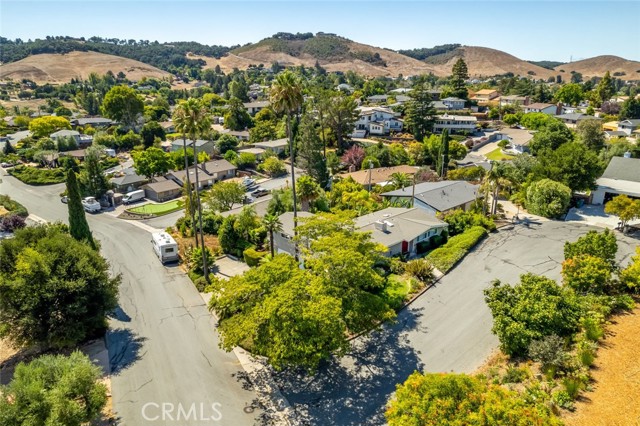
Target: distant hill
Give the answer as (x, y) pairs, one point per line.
(547, 64)
(61, 68)
(597, 66)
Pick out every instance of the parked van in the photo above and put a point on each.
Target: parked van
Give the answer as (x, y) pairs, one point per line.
(133, 196)
(165, 247)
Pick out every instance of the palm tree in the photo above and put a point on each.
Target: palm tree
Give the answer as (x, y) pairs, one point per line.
(309, 190)
(496, 179)
(286, 98)
(272, 224)
(193, 119)
(400, 180)
(179, 118)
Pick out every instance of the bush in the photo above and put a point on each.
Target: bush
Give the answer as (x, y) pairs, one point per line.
(13, 206)
(515, 375)
(586, 352)
(38, 176)
(253, 257)
(549, 351)
(563, 400)
(11, 222)
(592, 328)
(445, 257)
(572, 386)
(397, 266)
(460, 220)
(421, 269)
(548, 198)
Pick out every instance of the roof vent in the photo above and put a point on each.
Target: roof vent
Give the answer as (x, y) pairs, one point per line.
(380, 225)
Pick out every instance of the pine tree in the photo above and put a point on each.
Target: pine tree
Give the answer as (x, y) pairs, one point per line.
(310, 147)
(420, 111)
(605, 90)
(78, 226)
(459, 75)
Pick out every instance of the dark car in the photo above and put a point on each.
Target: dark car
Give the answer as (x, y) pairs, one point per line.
(260, 192)
(64, 199)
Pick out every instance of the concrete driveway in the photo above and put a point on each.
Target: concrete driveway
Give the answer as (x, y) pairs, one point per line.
(448, 329)
(594, 215)
(227, 267)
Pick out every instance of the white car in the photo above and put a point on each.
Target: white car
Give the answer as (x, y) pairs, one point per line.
(248, 182)
(91, 205)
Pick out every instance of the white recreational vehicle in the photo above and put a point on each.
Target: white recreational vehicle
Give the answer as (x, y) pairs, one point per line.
(165, 247)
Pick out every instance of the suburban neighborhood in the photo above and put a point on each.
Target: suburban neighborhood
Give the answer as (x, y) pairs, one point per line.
(193, 236)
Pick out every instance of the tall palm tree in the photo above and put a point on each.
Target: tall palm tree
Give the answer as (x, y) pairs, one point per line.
(495, 180)
(272, 224)
(179, 118)
(193, 120)
(309, 191)
(286, 98)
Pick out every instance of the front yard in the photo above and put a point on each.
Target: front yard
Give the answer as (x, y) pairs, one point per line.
(158, 209)
(498, 155)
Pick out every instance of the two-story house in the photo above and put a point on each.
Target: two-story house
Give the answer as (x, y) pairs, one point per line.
(455, 123)
(453, 103)
(628, 126)
(377, 121)
(484, 96)
(545, 108)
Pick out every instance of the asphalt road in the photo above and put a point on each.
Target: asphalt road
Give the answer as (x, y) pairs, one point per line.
(448, 329)
(162, 342)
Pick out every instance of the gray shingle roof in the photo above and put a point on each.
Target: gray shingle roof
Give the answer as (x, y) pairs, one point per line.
(402, 224)
(441, 196)
(128, 179)
(621, 168)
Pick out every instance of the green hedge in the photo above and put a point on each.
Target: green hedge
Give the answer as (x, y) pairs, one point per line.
(445, 257)
(13, 207)
(36, 176)
(252, 257)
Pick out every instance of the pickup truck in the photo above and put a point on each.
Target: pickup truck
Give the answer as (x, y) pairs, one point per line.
(91, 205)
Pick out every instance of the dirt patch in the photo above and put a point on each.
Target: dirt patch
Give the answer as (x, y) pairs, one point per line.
(3, 211)
(616, 379)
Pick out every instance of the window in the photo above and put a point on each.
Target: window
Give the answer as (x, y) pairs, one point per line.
(168, 250)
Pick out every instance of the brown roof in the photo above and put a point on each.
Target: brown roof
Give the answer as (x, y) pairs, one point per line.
(162, 186)
(75, 153)
(378, 175)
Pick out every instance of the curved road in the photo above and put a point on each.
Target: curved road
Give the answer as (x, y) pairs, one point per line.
(167, 368)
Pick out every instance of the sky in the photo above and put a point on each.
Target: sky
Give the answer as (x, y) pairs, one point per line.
(531, 30)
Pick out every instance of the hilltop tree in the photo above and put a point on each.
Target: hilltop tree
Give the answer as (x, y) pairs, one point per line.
(122, 103)
(78, 225)
(420, 113)
(459, 75)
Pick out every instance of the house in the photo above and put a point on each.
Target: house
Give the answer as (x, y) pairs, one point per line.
(16, 137)
(610, 126)
(435, 94)
(513, 100)
(378, 99)
(455, 123)
(484, 96)
(628, 126)
(78, 154)
(378, 121)
(242, 135)
(401, 91)
(92, 121)
(254, 107)
(201, 145)
(168, 126)
(622, 176)
(437, 197)
(379, 175)
(129, 181)
(572, 120)
(278, 146)
(453, 103)
(258, 152)
(82, 141)
(162, 190)
(345, 88)
(208, 173)
(401, 230)
(518, 138)
(545, 108)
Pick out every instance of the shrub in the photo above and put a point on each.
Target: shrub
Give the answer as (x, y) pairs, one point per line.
(460, 220)
(549, 351)
(572, 386)
(11, 222)
(13, 206)
(515, 375)
(420, 269)
(397, 266)
(592, 328)
(253, 257)
(563, 400)
(445, 257)
(38, 176)
(548, 198)
(586, 352)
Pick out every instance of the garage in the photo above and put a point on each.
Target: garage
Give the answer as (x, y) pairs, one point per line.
(622, 176)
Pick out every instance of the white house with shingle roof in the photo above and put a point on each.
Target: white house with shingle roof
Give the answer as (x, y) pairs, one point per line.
(622, 176)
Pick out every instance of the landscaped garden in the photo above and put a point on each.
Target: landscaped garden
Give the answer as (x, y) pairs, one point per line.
(498, 155)
(157, 209)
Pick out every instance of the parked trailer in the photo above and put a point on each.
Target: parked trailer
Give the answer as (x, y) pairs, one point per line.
(165, 247)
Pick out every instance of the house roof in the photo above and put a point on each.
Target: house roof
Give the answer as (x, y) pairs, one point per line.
(75, 153)
(278, 143)
(378, 174)
(457, 117)
(208, 168)
(179, 142)
(92, 120)
(453, 99)
(441, 196)
(128, 179)
(539, 105)
(402, 224)
(254, 151)
(633, 122)
(256, 104)
(377, 98)
(16, 137)
(162, 186)
(403, 98)
(621, 168)
(166, 124)
(513, 98)
(485, 92)
(517, 136)
(64, 133)
(575, 116)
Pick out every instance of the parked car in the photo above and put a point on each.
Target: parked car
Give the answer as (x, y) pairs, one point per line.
(133, 196)
(260, 192)
(6, 165)
(64, 199)
(248, 182)
(91, 205)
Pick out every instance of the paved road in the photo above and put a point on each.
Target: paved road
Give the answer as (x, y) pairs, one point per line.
(162, 344)
(447, 329)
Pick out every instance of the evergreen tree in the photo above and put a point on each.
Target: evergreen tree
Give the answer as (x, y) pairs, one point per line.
(8, 148)
(78, 226)
(630, 109)
(92, 178)
(459, 74)
(605, 90)
(420, 111)
(445, 152)
(310, 147)
(542, 93)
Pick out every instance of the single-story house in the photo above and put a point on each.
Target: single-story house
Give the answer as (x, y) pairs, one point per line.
(545, 108)
(401, 90)
(437, 197)
(92, 121)
(378, 99)
(518, 138)
(345, 87)
(454, 103)
(242, 135)
(168, 126)
(572, 120)
(622, 176)
(78, 154)
(455, 123)
(401, 230)
(162, 190)
(628, 126)
(513, 100)
(129, 181)
(611, 126)
(379, 175)
(278, 146)
(258, 152)
(208, 173)
(201, 145)
(16, 137)
(255, 106)
(615, 134)
(82, 141)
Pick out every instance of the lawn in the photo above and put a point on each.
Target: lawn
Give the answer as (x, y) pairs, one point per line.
(158, 209)
(498, 155)
(397, 291)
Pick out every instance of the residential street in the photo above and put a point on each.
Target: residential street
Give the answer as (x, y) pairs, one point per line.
(163, 346)
(446, 329)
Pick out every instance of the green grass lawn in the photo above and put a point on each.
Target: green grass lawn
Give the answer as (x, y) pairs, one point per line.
(497, 155)
(158, 209)
(397, 291)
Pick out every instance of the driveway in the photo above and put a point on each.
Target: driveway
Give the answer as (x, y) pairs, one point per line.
(448, 329)
(594, 215)
(227, 267)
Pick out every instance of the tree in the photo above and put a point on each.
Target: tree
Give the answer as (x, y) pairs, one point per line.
(44, 126)
(123, 104)
(92, 178)
(341, 117)
(590, 133)
(223, 195)
(129, 140)
(151, 162)
(587, 274)
(78, 226)
(459, 75)
(236, 117)
(272, 224)
(570, 94)
(150, 131)
(551, 136)
(605, 89)
(245, 160)
(262, 131)
(54, 390)
(572, 164)
(602, 245)
(225, 143)
(309, 190)
(8, 148)
(630, 109)
(625, 208)
(433, 399)
(420, 112)
(54, 291)
(400, 180)
(354, 156)
(310, 151)
(534, 308)
(630, 276)
(548, 198)
(273, 166)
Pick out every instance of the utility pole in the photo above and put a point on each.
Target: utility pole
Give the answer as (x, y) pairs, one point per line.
(370, 169)
(413, 191)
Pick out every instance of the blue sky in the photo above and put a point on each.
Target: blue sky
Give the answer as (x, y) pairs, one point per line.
(532, 30)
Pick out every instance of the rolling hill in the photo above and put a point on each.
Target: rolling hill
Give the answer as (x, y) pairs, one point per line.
(61, 68)
(598, 65)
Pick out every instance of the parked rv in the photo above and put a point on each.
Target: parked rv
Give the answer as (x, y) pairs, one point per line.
(165, 247)
(133, 196)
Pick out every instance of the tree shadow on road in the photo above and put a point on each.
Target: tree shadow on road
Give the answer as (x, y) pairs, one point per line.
(124, 348)
(355, 389)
